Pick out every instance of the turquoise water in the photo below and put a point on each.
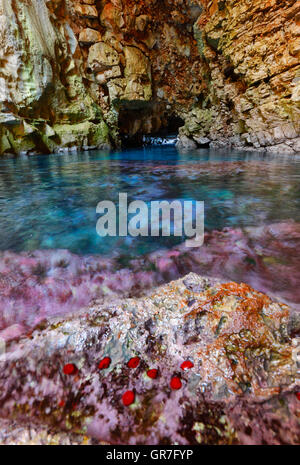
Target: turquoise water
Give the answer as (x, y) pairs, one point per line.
(49, 201)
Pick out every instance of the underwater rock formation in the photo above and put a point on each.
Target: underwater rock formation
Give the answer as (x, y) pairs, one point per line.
(46, 283)
(195, 362)
(78, 74)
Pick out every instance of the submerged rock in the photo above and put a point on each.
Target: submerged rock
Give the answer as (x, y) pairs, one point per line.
(240, 385)
(45, 283)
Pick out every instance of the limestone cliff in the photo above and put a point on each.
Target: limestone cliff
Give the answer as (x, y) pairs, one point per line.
(80, 74)
(252, 49)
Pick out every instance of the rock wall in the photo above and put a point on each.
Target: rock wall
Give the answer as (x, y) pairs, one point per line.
(86, 73)
(141, 60)
(252, 49)
(44, 102)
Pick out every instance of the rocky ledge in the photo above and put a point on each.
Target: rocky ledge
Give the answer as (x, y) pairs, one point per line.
(194, 362)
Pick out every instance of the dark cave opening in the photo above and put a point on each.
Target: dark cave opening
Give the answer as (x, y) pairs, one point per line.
(134, 127)
(174, 122)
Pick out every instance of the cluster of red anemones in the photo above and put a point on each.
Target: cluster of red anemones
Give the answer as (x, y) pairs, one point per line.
(128, 397)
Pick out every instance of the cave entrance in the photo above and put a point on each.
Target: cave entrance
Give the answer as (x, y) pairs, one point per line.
(143, 127)
(174, 122)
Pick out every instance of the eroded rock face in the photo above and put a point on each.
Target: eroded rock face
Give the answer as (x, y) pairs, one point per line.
(44, 102)
(76, 74)
(158, 70)
(70, 68)
(252, 50)
(238, 387)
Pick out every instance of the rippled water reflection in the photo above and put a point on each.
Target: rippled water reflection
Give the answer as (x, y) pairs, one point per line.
(49, 202)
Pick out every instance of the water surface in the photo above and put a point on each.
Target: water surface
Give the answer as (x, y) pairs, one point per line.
(49, 202)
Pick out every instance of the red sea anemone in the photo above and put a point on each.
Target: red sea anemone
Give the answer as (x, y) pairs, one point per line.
(133, 362)
(152, 373)
(175, 383)
(70, 369)
(128, 398)
(104, 363)
(186, 365)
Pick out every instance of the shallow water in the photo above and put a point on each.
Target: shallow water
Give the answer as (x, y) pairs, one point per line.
(48, 203)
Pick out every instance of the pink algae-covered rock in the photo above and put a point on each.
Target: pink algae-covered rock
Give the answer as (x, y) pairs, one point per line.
(241, 387)
(12, 332)
(41, 284)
